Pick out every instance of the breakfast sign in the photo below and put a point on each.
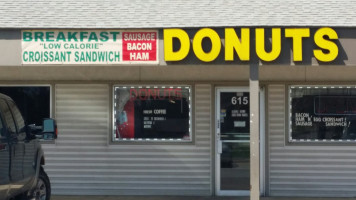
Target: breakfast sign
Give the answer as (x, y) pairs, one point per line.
(89, 47)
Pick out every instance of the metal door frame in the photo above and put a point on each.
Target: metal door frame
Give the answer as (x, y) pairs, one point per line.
(219, 192)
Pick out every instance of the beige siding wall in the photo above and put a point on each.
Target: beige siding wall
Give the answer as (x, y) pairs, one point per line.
(306, 170)
(82, 162)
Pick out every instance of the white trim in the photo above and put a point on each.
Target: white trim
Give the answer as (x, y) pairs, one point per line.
(218, 142)
(262, 142)
(216, 139)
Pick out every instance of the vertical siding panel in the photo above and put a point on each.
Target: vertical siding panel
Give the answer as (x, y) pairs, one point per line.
(83, 163)
(202, 117)
(307, 170)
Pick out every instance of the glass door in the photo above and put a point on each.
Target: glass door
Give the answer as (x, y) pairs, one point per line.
(232, 142)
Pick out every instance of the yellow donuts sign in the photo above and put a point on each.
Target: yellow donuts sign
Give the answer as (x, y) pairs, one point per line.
(326, 48)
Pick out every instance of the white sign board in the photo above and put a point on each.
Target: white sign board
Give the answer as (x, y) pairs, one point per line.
(89, 47)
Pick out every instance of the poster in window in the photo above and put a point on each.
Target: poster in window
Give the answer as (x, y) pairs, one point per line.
(323, 113)
(154, 113)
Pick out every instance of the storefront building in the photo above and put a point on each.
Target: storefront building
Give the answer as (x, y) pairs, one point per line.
(210, 109)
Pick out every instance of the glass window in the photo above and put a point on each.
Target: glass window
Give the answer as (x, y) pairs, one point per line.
(152, 113)
(322, 113)
(32, 101)
(18, 117)
(6, 113)
(234, 116)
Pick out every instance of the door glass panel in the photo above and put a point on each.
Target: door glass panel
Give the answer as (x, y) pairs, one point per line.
(234, 121)
(234, 116)
(235, 166)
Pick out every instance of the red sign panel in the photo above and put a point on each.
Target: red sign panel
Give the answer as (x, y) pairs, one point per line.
(139, 46)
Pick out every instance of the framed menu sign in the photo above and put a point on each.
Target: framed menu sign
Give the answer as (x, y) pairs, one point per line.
(152, 113)
(322, 113)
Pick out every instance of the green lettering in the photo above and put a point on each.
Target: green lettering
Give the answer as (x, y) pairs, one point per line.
(76, 56)
(39, 36)
(95, 56)
(24, 58)
(69, 52)
(110, 56)
(61, 36)
(49, 36)
(63, 56)
(37, 56)
(114, 35)
(45, 54)
(30, 56)
(83, 35)
(104, 36)
(72, 36)
(56, 58)
(82, 57)
(51, 57)
(117, 56)
(101, 56)
(88, 57)
(27, 36)
(93, 36)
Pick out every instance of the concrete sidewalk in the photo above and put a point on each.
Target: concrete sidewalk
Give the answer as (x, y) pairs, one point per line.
(184, 198)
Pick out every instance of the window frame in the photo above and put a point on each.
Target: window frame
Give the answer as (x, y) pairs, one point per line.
(289, 138)
(114, 140)
(37, 85)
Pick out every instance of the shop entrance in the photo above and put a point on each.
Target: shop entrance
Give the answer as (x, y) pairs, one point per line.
(232, 141)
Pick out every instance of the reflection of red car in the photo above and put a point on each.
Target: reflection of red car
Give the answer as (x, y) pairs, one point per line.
(126, 121)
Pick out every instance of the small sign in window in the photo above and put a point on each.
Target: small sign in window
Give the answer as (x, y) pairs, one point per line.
(152, 113)
(322, 113)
